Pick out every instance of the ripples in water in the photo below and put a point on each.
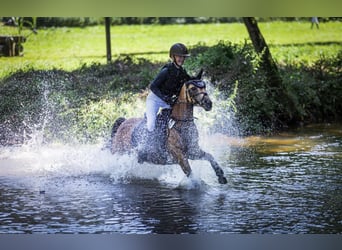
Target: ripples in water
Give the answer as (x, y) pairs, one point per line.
(289, 184)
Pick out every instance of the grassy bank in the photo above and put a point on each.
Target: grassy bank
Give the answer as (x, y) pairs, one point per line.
(69, 48)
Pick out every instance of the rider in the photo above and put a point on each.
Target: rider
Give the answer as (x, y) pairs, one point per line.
(165, 88)
(167, 85)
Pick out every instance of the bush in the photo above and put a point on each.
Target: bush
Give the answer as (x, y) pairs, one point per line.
(71, 106)
(228, 63)
(89, 21)
(82, 105)
(68, 21)
(315, 91)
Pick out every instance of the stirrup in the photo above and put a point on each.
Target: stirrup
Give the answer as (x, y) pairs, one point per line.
(142, 157)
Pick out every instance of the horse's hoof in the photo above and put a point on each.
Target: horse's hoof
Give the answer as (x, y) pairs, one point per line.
(222, 180)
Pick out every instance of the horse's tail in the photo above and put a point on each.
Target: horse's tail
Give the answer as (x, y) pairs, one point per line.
(116, 125)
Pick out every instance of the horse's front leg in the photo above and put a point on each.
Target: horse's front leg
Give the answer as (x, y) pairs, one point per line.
(202, 155)
(177, 149)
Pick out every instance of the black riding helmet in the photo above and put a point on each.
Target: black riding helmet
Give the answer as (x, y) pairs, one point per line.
(179, 49)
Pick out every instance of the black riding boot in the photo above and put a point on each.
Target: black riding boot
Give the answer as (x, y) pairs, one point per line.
(147, 147)
(153, 150)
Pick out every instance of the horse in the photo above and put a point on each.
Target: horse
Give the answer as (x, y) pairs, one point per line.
(181, 132)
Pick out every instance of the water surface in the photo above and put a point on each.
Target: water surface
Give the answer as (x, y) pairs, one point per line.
(289, 183)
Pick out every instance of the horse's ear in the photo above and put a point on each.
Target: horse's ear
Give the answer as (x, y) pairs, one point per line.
(199, 75)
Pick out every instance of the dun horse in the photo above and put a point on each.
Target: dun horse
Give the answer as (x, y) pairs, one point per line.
(182, 134)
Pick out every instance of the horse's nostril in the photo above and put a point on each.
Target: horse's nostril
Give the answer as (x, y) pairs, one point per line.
(208, 105)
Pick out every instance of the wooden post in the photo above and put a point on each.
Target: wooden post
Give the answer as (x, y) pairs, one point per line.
(11, 45)
(108, 41)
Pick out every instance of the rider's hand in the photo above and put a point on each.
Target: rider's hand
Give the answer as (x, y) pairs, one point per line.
(170, 100)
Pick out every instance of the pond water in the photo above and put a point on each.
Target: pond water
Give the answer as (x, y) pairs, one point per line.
(289, 183)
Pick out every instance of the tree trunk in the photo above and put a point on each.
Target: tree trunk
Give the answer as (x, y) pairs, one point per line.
(274, 81)
(108, 40)
(261, 48)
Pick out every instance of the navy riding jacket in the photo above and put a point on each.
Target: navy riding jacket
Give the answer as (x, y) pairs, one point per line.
(169, 82)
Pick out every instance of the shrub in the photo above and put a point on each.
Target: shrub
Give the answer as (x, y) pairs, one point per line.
(79, 105)
(315, 91)
(82, 105)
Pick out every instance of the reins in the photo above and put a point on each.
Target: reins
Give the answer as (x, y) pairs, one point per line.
(189, 101)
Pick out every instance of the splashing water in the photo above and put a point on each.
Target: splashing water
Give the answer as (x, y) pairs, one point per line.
(77, 160)
(284, 185)
(36, 157)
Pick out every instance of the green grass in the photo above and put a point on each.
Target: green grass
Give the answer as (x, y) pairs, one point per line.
(69, 48)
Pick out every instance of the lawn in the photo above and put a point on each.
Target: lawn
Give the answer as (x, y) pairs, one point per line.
(69, 48)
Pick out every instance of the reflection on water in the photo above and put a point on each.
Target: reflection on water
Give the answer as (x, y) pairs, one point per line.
(289, 183)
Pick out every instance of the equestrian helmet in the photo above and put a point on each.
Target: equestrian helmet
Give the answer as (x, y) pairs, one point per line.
(179, 49)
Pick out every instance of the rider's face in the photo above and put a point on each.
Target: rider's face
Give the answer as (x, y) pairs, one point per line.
(179, 60)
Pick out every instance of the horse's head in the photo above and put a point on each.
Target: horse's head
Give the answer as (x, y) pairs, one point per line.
(196, 93)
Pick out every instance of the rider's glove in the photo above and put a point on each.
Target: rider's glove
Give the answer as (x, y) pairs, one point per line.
(171, 100)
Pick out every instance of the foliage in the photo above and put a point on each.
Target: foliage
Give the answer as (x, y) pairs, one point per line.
(79, 105)
(228, 63)
(69, 93)
(68, 21)
(91, 21)
(314, 90)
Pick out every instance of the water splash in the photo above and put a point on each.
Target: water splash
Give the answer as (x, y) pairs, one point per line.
(40, 163)
(221, 119)
(38, 157)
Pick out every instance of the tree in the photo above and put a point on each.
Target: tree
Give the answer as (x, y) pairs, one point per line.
(277, 90)
(262, 49)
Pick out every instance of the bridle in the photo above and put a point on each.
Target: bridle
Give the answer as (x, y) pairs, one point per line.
(192, 98)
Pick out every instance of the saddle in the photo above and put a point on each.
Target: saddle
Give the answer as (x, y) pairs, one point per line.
(152, 145)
